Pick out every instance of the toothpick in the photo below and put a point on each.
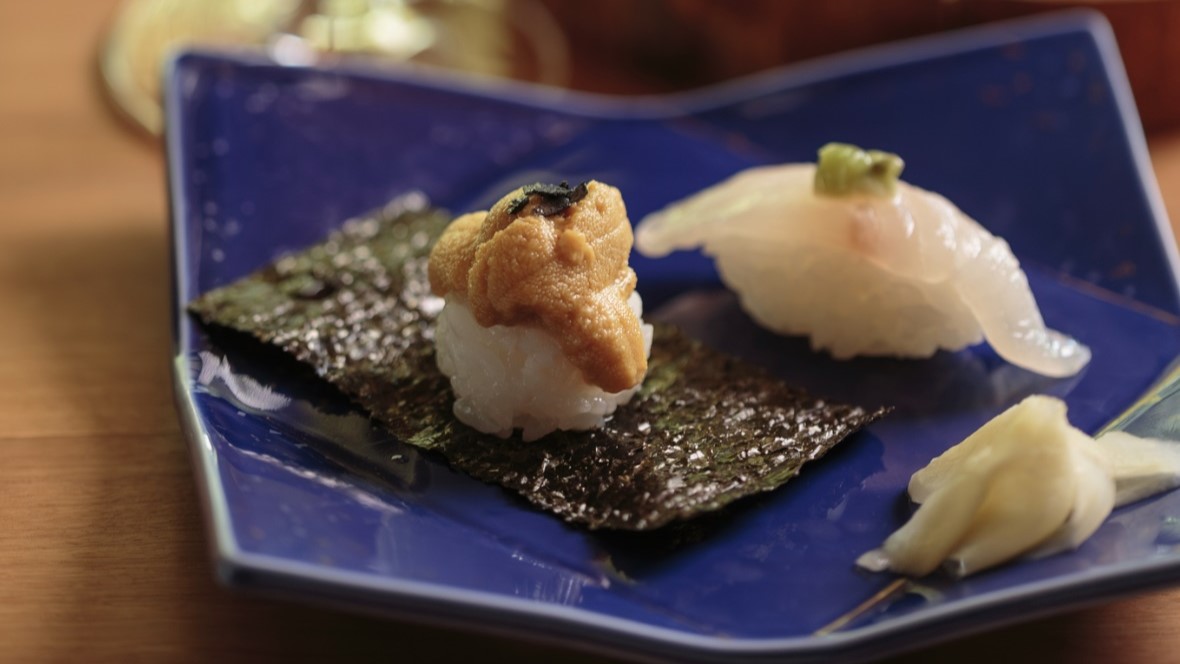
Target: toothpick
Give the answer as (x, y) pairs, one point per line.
(896, 587)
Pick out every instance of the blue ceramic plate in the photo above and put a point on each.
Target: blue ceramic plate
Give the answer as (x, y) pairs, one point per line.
(1028, 126)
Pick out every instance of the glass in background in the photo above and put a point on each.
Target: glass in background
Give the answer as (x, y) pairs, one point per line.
(503, 38)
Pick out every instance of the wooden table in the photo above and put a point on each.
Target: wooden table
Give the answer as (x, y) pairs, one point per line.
(103, 555)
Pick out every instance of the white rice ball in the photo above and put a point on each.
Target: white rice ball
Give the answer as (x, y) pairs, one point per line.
(517, 377)
(848, 307)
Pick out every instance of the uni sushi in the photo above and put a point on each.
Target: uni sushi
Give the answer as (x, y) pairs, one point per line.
(706, 429)
(864, 264)
(542, 328)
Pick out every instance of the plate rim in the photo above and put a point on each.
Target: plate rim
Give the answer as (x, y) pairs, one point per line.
(237, 567)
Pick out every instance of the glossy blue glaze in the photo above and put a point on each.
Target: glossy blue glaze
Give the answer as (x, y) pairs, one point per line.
(1026, 126)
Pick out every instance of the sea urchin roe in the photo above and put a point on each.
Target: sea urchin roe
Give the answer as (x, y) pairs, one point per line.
(557, 258)
(845, 169)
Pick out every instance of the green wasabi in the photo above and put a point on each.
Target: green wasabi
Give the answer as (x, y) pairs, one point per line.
(845, 169)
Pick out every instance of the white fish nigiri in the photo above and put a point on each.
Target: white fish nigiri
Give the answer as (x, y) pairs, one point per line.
(863, 263)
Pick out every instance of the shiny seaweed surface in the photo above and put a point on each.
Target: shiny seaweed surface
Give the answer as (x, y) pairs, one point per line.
(706, 429)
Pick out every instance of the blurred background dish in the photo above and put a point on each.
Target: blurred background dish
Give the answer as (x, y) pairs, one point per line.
(502, 38)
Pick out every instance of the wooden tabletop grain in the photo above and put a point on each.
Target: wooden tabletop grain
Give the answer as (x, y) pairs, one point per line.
(103, 554)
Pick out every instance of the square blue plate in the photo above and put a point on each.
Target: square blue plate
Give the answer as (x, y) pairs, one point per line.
(1028, 126)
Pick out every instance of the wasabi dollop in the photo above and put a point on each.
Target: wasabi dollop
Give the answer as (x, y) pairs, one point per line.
(845, 169)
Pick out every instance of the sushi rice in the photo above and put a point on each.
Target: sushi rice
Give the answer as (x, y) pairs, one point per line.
(517, 377)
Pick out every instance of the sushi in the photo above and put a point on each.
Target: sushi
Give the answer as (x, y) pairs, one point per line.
(542, 328)
(703, 431)
(846, 253)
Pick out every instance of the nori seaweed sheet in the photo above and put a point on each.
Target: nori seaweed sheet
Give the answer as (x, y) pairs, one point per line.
(705, 429)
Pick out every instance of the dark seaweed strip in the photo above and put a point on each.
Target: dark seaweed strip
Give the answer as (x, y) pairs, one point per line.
(550, 198)
(705, 429)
